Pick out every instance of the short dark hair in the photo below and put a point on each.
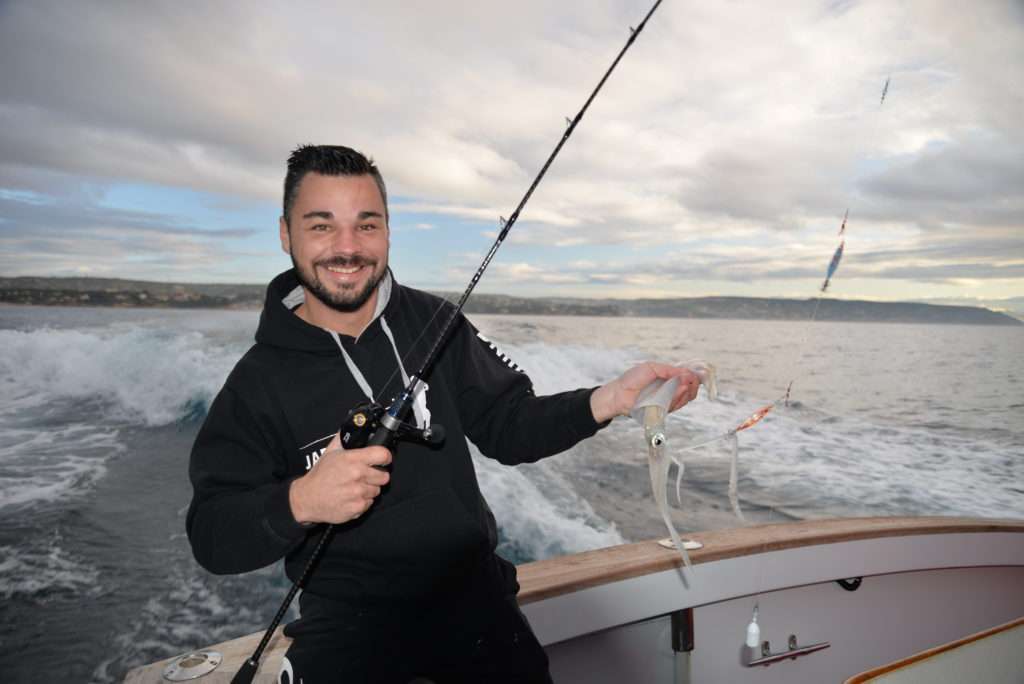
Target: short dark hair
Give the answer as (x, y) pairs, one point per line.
(328, 160)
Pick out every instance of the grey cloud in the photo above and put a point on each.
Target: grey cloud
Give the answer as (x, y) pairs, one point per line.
(720, 119)
(965, 181)
(946, 273)
(966, 245)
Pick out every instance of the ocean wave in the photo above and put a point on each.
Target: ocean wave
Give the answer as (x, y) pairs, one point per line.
(45, 571)
(195, 610)
(850, 466)
(143, 375)
(806, 457)
(39, 466)
(539, 514)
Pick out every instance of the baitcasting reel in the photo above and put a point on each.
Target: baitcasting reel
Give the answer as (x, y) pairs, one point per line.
(363, 422)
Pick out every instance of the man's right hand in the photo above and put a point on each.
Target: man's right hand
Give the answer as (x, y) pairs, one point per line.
(341, 486)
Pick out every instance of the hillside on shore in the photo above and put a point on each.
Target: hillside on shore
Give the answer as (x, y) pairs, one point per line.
(40, 291)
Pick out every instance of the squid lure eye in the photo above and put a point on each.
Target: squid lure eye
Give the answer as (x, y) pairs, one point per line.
(658, 440)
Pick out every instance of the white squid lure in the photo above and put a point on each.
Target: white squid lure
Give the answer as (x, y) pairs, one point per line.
(650, 409)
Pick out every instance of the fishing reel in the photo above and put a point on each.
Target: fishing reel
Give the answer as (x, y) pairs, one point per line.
(364, 424)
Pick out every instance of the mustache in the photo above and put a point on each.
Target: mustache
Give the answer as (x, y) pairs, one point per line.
(347, 261)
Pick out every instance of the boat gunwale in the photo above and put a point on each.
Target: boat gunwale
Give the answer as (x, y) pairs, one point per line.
(562, 575)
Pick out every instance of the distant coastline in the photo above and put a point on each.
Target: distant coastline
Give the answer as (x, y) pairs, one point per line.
(75, 291)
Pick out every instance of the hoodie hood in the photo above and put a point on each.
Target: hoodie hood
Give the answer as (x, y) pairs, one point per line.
(280, 327)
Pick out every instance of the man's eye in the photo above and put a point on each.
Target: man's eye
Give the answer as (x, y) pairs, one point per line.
(320, 227)
(368, 226)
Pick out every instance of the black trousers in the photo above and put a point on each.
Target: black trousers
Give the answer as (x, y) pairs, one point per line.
(474, 636)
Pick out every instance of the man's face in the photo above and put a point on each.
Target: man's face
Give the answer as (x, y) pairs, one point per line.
(338, 239)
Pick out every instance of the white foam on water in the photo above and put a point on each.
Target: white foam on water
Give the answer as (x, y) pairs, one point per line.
(197, 611)
(818, 464)
(44, 571)
(150, 376)
(538, 511)
(67, 393)
(52, 465)
(812, 462)
(539, 514)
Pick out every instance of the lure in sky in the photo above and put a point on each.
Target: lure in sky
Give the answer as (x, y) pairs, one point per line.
(885, 90)
(833, 265)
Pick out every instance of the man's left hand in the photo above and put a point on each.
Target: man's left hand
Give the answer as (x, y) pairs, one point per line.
(618, 396)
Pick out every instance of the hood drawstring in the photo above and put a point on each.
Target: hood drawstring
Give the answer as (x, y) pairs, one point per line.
(420, 404)
(352, 367)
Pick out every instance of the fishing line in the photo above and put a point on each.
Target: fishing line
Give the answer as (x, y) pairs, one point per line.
(801, 347)
(731, 437)
(415, 344)
(753, 630)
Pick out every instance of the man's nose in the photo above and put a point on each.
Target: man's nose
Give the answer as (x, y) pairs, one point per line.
(345, 241)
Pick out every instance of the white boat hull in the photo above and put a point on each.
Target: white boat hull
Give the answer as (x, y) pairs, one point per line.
(605, 616)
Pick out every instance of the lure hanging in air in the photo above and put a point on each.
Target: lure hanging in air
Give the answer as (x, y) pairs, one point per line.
(650, 409)
(834, 264)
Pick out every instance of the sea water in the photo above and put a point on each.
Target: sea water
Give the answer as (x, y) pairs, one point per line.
(99, 407)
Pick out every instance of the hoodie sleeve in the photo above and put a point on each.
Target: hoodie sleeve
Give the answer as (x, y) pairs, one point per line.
(501, 413)
(240, 518)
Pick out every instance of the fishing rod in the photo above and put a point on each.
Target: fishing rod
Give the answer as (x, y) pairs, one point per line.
(371, 424)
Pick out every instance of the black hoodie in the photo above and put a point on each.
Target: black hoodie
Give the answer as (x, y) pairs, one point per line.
(284, 401)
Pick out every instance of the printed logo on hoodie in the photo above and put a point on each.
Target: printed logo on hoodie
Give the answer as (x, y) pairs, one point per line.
(312, 452)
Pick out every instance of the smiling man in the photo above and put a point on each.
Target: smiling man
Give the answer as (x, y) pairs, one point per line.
(410, 584)
(339, 246)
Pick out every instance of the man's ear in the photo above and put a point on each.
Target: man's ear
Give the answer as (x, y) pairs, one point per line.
(286, 241)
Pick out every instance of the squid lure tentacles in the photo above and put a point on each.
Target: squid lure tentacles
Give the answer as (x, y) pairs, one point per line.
(650, 409)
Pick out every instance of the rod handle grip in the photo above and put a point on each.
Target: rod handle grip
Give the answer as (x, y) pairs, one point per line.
(382, 437)
(246, 673)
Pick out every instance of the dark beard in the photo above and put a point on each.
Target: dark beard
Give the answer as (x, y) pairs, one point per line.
(345, 302)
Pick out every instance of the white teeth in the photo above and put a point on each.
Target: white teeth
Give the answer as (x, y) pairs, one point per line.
(334, 269)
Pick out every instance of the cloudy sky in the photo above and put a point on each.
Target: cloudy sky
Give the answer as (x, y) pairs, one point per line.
(147, 140)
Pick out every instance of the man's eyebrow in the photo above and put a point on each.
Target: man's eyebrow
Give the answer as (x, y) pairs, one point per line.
(327, 215)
